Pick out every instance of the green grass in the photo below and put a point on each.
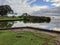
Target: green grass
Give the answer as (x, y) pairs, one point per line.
(25, 38)
(10, 18)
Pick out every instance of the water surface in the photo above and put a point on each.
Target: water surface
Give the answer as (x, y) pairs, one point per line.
(53, 25)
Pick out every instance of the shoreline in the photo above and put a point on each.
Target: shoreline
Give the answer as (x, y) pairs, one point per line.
(56, 34)
(39, 29)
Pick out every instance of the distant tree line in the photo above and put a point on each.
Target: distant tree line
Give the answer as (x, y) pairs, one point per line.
(35, 19)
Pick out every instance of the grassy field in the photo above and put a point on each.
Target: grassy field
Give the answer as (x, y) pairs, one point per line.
(25, 38)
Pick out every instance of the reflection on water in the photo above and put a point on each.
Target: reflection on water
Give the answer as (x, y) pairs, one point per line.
(6, 24)
(54, 24)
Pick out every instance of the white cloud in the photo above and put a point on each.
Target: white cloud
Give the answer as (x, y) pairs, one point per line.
(46, 0)
(32, 1)
(37, 8)
(52, 0)
(55, 2)
(22, 6)
(48, 12)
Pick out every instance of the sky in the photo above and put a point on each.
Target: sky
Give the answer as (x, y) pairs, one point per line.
(34, 7)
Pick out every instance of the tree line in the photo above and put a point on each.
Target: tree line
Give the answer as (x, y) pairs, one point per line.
(35, 19)
(6, 9)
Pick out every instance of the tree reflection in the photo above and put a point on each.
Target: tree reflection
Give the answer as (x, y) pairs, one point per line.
(6, 24)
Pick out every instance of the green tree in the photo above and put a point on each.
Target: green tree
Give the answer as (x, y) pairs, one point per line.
(5, 9)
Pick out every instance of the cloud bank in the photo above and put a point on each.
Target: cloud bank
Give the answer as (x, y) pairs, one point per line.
(50, 12)
(55, 2)
(24, 6)
(54, 11)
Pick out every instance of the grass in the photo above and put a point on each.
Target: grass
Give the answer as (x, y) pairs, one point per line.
(25, 38)
(10, 18)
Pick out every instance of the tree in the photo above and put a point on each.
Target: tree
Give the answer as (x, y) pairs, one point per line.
(5, 9)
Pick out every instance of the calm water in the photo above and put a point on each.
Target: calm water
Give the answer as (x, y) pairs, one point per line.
(54, 24)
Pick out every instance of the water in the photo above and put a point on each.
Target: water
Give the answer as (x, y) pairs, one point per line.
(6, 24)
(53, 25)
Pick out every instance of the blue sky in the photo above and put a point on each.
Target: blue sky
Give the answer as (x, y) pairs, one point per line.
(35, 7)
(42, 2)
